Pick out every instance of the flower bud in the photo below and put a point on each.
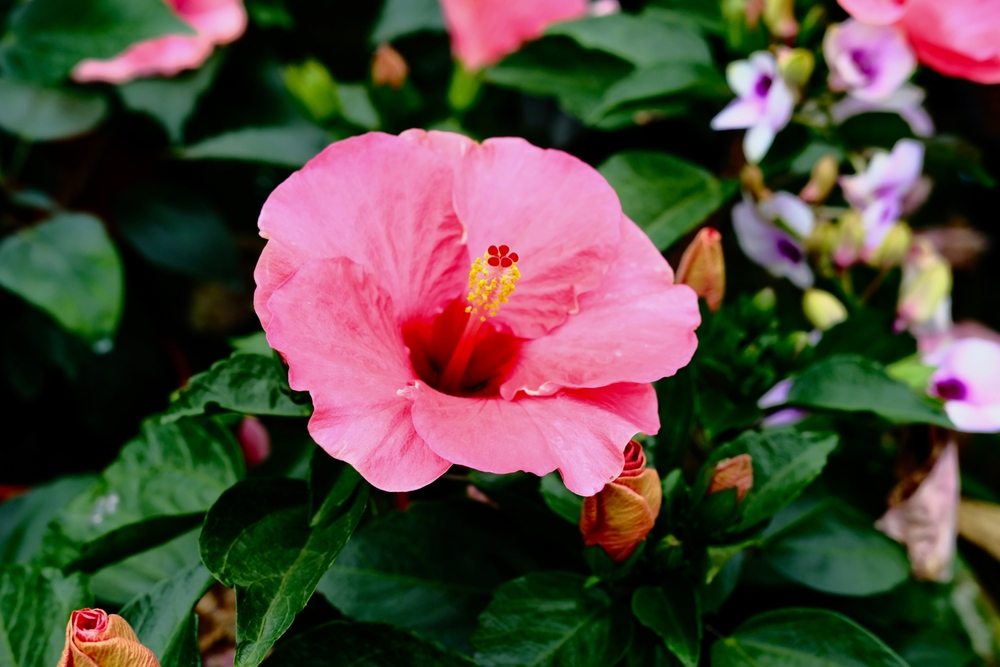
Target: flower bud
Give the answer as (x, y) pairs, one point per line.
(823, 309)
(823, 241)
(925, 287)
(97, 639)
(735, 473)
(824, 176)
(389, 68)
(312, 85)
(796, 66)
(894, 247)
(703, 267)
(255, 441)
(752, 180)
(779, 16)
(620, 516)
(850, 239)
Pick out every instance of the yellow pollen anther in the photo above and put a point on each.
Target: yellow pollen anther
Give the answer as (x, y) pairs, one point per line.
(491, 283)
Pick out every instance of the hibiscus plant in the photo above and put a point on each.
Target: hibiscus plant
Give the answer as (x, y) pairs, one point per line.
(548, 333)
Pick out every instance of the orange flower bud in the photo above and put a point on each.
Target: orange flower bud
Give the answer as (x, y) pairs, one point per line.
(736, 472)
(823, 178)
(389, 68)
(703, 267)
(97, 639)
(620, 516)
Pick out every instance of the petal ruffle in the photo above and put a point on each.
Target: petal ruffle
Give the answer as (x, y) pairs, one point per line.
(342, 338)
(381, 201)
(636, 327)
(875, 12)
(582, 433)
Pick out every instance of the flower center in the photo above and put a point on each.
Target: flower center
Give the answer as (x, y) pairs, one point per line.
(952, 389)
(763, 85)
(459, 353)
(789, 251)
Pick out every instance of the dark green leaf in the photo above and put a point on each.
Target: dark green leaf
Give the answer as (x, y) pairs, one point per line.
(548, 618)
(247, 383)
(123, 582)
(431, 569)
(704, 15)
(23, 520)
(671, 611)
(641, 42)
(803, 638)
(162, 617)
(180, 231)
(850, 383)
(403, 17)
(258, 539)
(47, 38)
(284, 145)
(561, 500)
(663, 194)
(833, 548)
(675, 398)
(131, 539)
(35, 606)
(39, 113)
(658, 81)
(68, 267)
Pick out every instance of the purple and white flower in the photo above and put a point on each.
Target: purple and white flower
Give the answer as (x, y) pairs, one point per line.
(907, 102)
(869, 62)
(966, 380)
(764, 104)
(880, 191)
(771, 232)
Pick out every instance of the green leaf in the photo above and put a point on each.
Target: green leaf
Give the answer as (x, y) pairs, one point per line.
(704, 15)
(364, 645)
(248, 383)
(675, 398)
(663, 194)
(654, 82)
(68, 267)
(283, 146)
(40, 113)
(430, 569)
(356, 106)
(122, 582)
(558, 67)
(258, 539)
(178, 230)
(803, 638)
(851, 383)
(23, 520)
(833, 548)
(131, 539)
(171, 101)
(671, 611)
(547, 619)
(403, 17)
(640, 41)
(47, 38)
(162, 617)
(35, 606)
(561, 500)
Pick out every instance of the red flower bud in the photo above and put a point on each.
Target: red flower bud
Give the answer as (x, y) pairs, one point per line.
(389, 68)
(735, 473)
(703, 268)
(620, 516)
(255, 441)
(97, 639)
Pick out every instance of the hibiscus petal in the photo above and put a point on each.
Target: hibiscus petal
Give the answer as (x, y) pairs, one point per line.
(381, 201)
(581, 432)
(163, 56)
(636, 327)
(221, 21)
(341, 336)
(875, 12)
(557, 213)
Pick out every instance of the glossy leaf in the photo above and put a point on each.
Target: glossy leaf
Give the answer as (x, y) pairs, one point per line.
(130, 539)
(35, 606)
(283, 146)
(654, 82)
(663, 194)
(126, 580)
(639, 41)
(258, 539)
(561, 500)
(23, 520)
(404, 17)
(248, 383)
(803, 638)
(68, 267)
(39, 113)
(547, 619)
(671, 611)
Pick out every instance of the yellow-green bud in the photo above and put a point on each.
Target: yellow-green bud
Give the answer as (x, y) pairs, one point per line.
(823, 309)
(850, 239)
(926, 283)
(312, 85)
(823, 178)
(796, 65)
(894, 248)
(779, 16)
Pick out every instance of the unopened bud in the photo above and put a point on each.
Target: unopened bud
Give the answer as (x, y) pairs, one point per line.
(894, 247)
(314, 87)
(735, 473)
(850, 239)
(97, 639)
(255, 441)
(823, 178)
(389, 68)
(823, 309)
(752, 180)
(703, 267)
(779, 16)
(753, 10)
(796, 66)
(823, 240)
(926, 284)
(765, 300)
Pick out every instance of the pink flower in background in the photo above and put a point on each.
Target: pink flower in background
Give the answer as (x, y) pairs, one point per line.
(868, 62)
(967, 381)
(763, 105)
(881, 190)
(771, 232)
(365, 288)
(255, 441)
(956, 37)
(216, 22)
(484, 31)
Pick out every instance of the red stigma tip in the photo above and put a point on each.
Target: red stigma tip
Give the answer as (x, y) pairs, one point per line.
(492, 250)
(494, 261)
(513, 257)
(504, 250)
(505, 262)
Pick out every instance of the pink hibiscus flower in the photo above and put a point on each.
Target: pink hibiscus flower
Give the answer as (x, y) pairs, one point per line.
(484, 31)
(419, 353)
(958, 37)
(216, 22)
